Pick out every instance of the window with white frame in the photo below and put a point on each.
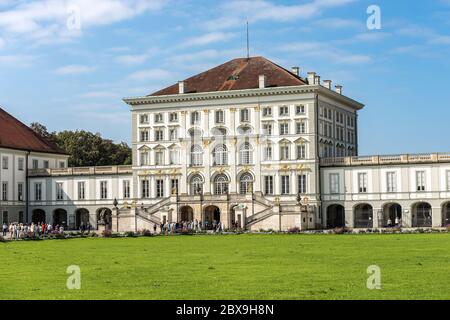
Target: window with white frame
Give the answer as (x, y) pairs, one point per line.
(46, 164)
(144, 135)
(267, 128)
(284, 111)
(38, 191)
(59, 191)
(81, 190)
(103, 190)
(21, 164)
(284, 128)
(196, 185)
(334, 183)
(267, 112)
(145, 188)
(285, 185)
(173, 156)
(284, 151)
(391, 181)
(159, 188)
(159, 118)
(144, 118)
(144, 158)
(159, 157)
(219, 117)
(268, 185)
(245, 115)
(220, 155)
(174, 186)
(362, 182)
(420, 181)
(246, 153)
(173, 117)
(159, 134)
(300, 109)
(5, 163)
(4, 191)
(221, 184)
(195, 118)
(301, 152)
(268, 154)
(196, 156)
(302, 186)
(246, 183)
(126, 189)
(300, 127)
(62, 164)
(173, 134)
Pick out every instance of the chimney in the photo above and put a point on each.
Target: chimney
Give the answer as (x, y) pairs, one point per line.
(327, 84)
(296, 71)
(339, 89)
(311, 78)
(262, 81)
(317, 80)
(181, 87)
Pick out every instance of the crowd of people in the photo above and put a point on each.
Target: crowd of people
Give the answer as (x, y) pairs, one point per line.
(19, 230)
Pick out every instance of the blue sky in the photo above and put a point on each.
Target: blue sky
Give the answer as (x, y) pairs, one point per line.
(63, 76)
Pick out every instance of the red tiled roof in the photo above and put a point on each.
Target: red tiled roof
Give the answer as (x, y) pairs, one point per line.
(16, 135)
(237, 74)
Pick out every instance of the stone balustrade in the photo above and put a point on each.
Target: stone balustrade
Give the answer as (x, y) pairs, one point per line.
(80, 171)
(386, 160)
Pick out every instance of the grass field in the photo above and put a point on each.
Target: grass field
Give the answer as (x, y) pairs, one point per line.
(413, 266)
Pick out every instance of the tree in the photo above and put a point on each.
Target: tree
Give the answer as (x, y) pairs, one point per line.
(86, 148)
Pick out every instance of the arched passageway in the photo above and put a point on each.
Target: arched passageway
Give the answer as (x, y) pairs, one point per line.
(392, 215)
(422, 215)
(211, 217)
(38, 216)
(363, 214)
(186, 214)
(335, 216)
(81, 218)
(60, 218)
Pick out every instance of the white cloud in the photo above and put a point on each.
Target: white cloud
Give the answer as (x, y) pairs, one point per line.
(99, 94)
(150, 74)
(74, 70)
(325, 51)
(47, 19)
(334, 23)
(17, 60)
(131, 60)
(208, 38)
(2, 43)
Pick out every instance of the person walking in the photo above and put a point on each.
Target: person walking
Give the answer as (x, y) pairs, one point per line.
(154, 228)
(5, 229)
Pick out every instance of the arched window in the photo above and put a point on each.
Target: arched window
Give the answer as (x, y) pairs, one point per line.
(220, 155)
(246, 153)
(196, 185)
(246, 183)
(221, 184)
(196, 156)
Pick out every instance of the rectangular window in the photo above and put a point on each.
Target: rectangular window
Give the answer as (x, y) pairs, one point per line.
(62, 164)
(245, 115)
(159, 118)
(20, 191)
(46, 164)
(302, 184)
(195, 117)
(284, 129)
(301, 127)
(159, 135)
(59, 191)
(174, 186)
(268, 185)
(173, 156)
(144, 135)
(267, 112)
(81, 190)
(145, 189)
(4, 191)
(284, 111)
(391, 181)
(38, 191)
(5, 163)
(219, 116)
(300, 110)
(173, 117)
(103, 190)
(285, 185)
(334, 183)
(126, 189)
(159, 188)
(144, 158)
(159, 157)
(268, 153)
(284, 152)
(267, 129)
(21, 165)
(173, 134)
(144, 118)
(362, 182)
(420, 180)
(301, 152)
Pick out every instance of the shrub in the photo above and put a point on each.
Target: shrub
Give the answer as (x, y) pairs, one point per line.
(106, 233)
(186, 232)
(130, 234)
(146, 233)
(294, 230)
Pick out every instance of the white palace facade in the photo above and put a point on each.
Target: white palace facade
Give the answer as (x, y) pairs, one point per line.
(247, 142)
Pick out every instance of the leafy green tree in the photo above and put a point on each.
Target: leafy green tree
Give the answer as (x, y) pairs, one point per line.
(86, 148)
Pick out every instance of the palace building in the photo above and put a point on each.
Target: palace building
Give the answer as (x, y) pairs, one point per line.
(246, 142)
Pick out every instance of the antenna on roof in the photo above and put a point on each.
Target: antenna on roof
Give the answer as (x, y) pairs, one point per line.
(248, 46)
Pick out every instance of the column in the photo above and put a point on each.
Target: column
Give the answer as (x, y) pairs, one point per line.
(436, 217)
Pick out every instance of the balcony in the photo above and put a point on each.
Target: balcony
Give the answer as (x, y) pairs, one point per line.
(386, 160)
(80, 171)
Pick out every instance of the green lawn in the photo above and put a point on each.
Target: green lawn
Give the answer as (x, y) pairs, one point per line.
(229, 267)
